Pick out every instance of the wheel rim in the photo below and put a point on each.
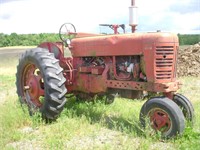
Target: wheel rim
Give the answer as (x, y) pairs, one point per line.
(33, 85)
(160, 120)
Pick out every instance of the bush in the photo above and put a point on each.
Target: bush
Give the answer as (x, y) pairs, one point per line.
(188, 39)
(15, 39)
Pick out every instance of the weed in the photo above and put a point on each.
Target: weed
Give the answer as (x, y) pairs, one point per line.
(88, 125)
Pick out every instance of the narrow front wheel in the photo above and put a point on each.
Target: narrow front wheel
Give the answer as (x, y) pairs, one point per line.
(185, 105)
(163, 115)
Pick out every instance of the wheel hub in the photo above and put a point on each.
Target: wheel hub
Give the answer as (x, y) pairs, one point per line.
(160, 120)
(35, 90)
(33, 85)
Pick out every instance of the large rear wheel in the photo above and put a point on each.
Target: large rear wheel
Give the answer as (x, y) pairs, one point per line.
(163, 115)
(40, 83)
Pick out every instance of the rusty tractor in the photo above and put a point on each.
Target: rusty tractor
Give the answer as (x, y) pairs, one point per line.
(118, 64)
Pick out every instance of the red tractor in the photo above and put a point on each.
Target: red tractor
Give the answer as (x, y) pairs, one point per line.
(118, 64)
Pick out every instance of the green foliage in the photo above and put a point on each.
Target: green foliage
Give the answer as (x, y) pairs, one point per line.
(15, 39)
(188, 39)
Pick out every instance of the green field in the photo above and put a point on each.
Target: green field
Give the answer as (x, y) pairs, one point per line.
(87, 125)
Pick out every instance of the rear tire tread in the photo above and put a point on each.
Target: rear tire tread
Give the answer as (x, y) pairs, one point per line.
(54, 81)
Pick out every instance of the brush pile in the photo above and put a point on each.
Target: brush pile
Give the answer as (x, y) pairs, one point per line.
(189, 61)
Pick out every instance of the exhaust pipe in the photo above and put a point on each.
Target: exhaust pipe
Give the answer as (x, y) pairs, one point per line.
(133, 16)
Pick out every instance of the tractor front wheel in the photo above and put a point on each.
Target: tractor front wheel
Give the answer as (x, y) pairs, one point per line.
(163, 115)
(185, 105)
(40, 83)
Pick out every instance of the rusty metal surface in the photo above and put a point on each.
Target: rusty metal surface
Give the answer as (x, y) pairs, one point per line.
(119, 45)
(54, 47)
(157, 53)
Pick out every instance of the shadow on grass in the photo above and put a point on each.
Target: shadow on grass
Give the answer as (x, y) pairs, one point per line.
(96, 112)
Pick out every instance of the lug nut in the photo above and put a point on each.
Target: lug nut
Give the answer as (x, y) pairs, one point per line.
(26, 87)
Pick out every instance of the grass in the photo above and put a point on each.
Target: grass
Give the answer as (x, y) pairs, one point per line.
(87, 125)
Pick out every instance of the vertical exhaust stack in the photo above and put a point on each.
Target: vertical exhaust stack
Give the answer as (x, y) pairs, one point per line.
(133, 16)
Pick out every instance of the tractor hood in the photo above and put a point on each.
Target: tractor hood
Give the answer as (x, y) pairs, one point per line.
(119, 44)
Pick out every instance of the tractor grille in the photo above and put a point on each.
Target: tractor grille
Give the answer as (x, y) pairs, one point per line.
(164, 62)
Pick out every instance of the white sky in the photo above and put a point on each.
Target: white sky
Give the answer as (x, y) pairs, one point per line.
(38, 16)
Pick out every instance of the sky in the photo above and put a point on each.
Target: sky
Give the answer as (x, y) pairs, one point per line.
(46, 16)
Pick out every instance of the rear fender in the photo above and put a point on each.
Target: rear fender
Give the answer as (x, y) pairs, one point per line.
(54, 47)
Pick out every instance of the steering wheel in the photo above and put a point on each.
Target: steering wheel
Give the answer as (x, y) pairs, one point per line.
(67, 32)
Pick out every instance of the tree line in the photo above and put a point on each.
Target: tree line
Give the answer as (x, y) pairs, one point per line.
(15, 39)
(189, 39)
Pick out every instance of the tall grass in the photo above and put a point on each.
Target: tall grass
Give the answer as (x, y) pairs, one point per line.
(87, 125)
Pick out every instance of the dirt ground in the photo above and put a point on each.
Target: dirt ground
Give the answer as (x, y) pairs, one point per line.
(11, 52)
